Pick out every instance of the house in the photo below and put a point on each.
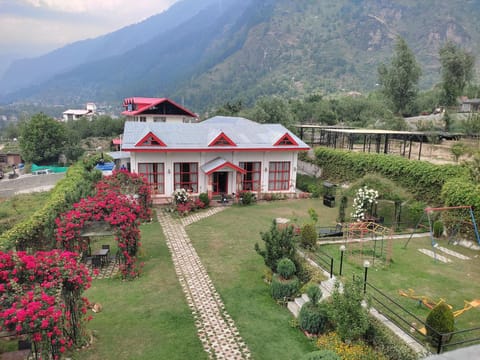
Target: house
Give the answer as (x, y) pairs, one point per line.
(75, 114)
(143, 109)
(221, 155)
(10, 159)
(469, 105)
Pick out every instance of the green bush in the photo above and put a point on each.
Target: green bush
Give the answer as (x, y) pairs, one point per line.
(314, 294)
(38, 231)
(286, 268)
(421, 178)
(388, 343)
(440, 320)
(203, 197)
(321, 355)
(279, 243)
(315, 190)
(308, 238)
(314, 318)
(283, 289)
(247, 198)
(438, 228)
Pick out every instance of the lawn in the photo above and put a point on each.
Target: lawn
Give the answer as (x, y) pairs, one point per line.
(454, 282)
(20, 207)
(225, 243)
(147, 318)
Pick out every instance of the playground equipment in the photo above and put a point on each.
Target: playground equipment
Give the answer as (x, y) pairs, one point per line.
(459, 220)
(368, 239)
(425, 300)
(410, 293)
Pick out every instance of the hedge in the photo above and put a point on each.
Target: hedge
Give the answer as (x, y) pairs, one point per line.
(38, 231)
(423, 179)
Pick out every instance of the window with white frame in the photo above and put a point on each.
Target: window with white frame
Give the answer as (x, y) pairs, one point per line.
(278, 175)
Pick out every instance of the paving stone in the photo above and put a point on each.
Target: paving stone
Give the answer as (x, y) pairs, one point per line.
(216, 330)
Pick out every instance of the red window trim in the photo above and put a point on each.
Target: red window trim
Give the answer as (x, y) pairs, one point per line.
(252, 182)
(154, 186)
(181, 184)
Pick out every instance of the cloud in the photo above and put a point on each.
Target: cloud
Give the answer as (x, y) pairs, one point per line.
(53, 23)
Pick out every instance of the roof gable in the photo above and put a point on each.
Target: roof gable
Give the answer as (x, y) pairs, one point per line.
(154, 106)
(287, 140)
(222, 140)
(150, 140)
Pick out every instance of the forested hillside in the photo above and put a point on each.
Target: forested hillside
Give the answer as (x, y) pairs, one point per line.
(242, 49)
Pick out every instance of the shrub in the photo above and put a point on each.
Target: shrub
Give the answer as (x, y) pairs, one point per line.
(315, 190)
(321, 355)
(314, 293)
(247, 197)
(440, 320)
(386, 342)
(283, 289)
(286, 268)
(314, 318)
(350, 317)
(438, 228)
(278, 244)
(204, 199)
(308, 237)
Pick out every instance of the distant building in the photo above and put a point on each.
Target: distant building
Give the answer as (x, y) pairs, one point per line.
(75, 114)
(469, 105)
(142, 109)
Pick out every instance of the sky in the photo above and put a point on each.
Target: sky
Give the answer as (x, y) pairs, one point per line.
(38, 26)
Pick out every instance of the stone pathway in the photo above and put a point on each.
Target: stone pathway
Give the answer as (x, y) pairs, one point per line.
(216, 329)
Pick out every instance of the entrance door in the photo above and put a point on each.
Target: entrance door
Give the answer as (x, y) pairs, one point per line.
(220, 183)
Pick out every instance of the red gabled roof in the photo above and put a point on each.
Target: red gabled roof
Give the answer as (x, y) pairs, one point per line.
(143, 104)
(150, 140)
(222, 140)
(287, 140)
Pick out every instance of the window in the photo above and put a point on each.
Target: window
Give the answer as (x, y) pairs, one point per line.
(279, 175)
(251, 180)
(186, 176)
(143, 119)
(155, 175)
(160, 119)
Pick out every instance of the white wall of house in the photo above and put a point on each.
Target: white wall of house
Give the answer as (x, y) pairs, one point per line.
(161, 118)
(265, 157)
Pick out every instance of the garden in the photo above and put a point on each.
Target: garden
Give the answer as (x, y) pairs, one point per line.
(146, 315)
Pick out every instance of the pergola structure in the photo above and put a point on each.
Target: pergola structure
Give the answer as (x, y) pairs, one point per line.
(366, 140)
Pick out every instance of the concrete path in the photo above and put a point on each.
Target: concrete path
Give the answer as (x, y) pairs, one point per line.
(216, 329)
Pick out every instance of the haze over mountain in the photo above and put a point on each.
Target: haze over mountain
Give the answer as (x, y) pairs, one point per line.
(207, 52)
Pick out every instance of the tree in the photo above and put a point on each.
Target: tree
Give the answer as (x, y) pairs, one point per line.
(42, 139)
(457, 71)
(350, 317)
(272, 110)
(278, 244)
(399, 80)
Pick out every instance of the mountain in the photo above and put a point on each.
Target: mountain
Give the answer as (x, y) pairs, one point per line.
(209, 53)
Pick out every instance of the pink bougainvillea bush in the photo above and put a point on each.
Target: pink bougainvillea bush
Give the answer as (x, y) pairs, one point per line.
(41, 298)
(116, 206)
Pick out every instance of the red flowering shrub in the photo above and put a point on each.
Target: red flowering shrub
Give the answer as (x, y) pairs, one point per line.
(41, 297)
(116, 204)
